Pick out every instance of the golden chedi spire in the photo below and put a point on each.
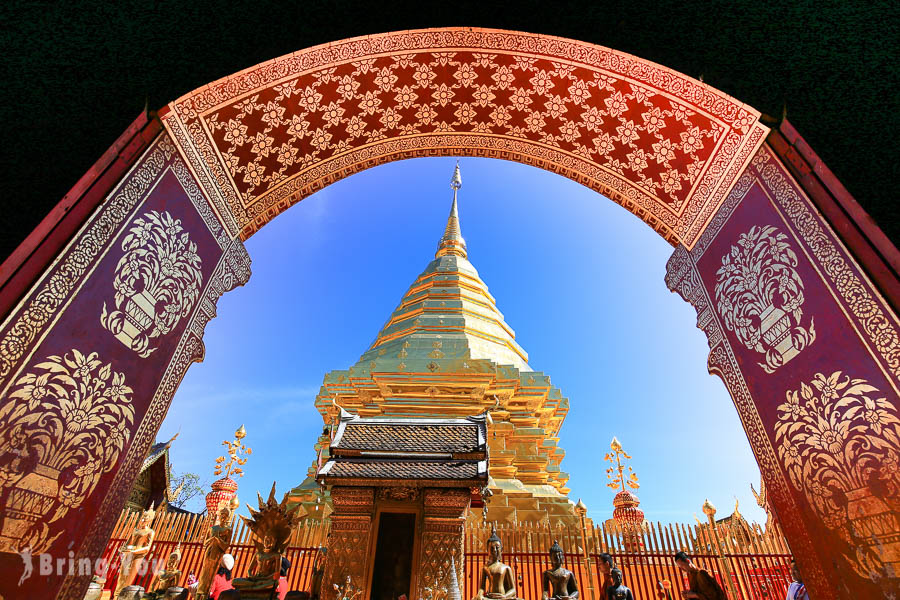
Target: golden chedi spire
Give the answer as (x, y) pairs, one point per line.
(452, 241)
(448, 311)
(446, 351)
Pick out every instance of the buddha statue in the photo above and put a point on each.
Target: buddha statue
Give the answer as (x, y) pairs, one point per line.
(559, 583)
(271, 525)
(215, 546)
(618, 591)
(136, 547)
(497, 581)
(265, 568)
(168, 577)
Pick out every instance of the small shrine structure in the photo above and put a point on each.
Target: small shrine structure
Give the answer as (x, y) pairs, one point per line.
(153, 486)
(400, 489)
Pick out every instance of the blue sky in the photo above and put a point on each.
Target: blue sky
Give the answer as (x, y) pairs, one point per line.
(577, 277)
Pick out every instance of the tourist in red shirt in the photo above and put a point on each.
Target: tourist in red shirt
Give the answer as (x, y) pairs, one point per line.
(222, 580)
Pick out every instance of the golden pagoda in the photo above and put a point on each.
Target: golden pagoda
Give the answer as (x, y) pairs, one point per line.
(446, 352)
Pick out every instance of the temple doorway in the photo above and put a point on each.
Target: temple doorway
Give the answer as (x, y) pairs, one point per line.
(392, 570)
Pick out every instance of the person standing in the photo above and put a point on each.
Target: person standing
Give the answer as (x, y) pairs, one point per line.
(796, 590)
(282, 578)
(222, 580)
(606, 566)
(701, 585)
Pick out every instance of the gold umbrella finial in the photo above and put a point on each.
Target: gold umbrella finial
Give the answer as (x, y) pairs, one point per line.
(235, 460)
(452, 241)
(456, 180)
(616, 472)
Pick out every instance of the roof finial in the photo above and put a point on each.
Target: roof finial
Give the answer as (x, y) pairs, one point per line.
(452, 241)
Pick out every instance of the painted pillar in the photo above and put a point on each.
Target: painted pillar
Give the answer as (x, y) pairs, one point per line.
(90, 359)
(810, 353)
(350, 540)
(441, 547)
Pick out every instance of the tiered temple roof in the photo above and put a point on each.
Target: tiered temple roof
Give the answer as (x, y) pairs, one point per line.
(449, 452)
(446, 352)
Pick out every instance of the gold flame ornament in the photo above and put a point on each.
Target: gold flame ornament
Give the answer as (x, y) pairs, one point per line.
(616, 472)
(235, 460)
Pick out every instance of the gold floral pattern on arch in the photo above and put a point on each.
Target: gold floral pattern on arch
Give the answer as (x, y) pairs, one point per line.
(62, 427)
(759, 294)
(157, 282)
(839, 440)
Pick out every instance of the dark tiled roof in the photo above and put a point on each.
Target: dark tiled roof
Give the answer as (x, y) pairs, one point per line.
(402, 469)
(407, 437)
(156, 451)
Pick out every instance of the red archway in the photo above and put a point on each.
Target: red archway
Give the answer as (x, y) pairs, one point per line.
(685, 158)
(665, 146)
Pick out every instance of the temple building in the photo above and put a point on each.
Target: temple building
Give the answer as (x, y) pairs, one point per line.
(447, 353)
(153, 486)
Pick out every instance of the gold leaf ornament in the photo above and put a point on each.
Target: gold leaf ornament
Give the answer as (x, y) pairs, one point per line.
(156, 284)
(65, 424)
(848, 429)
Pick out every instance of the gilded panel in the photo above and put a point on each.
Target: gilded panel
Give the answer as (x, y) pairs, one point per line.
(770, 282)
(90, 358)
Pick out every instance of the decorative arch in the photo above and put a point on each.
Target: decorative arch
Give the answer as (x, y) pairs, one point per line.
(796, 328)
(665, 146)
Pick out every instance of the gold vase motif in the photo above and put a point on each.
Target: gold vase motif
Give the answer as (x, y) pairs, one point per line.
(157, 282)
(759, 294)
(839, 440)
(69, 414)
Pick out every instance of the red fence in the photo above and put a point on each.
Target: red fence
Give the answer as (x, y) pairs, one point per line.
(189, 531)
(749, 564)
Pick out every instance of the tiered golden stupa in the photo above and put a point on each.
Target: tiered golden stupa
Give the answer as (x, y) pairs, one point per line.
(447, 352)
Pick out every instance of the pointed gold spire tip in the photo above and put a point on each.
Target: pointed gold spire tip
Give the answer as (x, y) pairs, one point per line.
(452, 241)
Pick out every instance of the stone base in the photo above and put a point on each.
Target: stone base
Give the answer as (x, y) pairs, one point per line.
(131, 592)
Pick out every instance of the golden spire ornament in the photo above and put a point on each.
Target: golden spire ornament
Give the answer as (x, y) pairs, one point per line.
(452, 241)
(626, 512)
(616, 473)
(235, 461)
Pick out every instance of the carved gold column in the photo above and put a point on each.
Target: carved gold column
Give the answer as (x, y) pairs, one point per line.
(348, 543)
(442, 536)
(724, 564)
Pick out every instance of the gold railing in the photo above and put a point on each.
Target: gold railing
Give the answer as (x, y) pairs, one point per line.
(749, 563)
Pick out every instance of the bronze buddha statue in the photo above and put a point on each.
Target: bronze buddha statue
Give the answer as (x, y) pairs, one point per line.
(559, 583)
(497, 581)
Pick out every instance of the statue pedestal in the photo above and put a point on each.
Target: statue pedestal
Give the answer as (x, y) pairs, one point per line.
(131, 592)
(172, 592)
(263, 594)
(94, 592)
